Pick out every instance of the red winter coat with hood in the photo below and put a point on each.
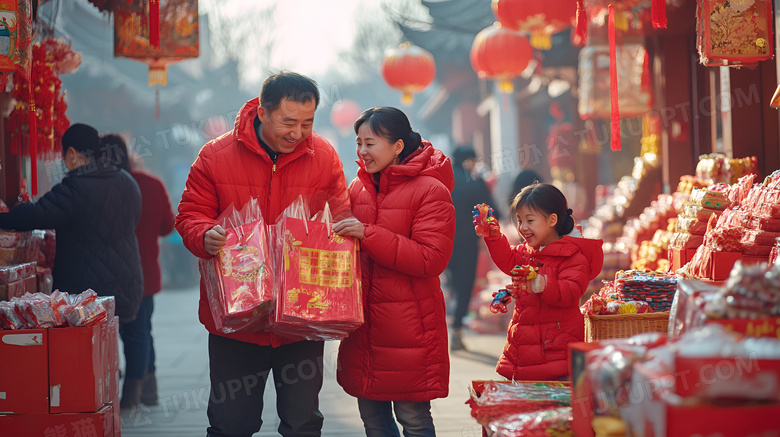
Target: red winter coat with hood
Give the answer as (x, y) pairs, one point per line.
(234, 168)
(544, 324)
(400, 353)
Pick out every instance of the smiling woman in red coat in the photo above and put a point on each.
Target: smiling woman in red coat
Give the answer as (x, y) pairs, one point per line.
(398, 360)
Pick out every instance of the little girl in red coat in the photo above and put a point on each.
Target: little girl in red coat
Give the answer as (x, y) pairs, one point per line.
(546, 316)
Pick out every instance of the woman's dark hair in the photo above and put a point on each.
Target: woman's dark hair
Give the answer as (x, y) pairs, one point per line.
(288, 85)
(392, 124)
(548, 200)
(116, 150)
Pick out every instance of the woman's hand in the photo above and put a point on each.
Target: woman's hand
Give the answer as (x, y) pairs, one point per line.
(350, 227)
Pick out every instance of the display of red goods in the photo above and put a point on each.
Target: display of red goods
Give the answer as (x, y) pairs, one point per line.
(83, 310)
(725, 239)
(757, 250)
(764, 238)
(697, 211)
(691, 226)
(764, 223)
(687, 241)
(709, 199)
(37, 310)
(320, 295)
(9, 318)
(15, 272)
(11, 239)
(767, 210)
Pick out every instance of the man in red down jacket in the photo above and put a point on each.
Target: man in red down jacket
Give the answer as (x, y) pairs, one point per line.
(544, 324)
(398, 359)
(272, 155)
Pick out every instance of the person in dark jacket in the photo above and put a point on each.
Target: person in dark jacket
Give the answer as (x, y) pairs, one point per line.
(470, 190)
(94, 212)
(156, 221)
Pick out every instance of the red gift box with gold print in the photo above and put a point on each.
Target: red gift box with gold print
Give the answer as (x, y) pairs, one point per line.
(320, 291)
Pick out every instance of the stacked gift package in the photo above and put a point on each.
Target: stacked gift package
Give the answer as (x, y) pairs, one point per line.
(64, 374)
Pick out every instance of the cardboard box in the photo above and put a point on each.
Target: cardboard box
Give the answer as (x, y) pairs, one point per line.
(750, 260)
(76, 385)
(24, 377)
(111, 359)
(98, 424)
(660, 413)
(679, 257)
(582, 397)
(720, 264)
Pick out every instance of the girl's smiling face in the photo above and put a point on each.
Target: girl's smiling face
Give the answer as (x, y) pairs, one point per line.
(536, 228)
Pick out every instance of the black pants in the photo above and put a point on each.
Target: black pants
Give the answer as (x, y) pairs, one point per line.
(462, 273)
(239, 372)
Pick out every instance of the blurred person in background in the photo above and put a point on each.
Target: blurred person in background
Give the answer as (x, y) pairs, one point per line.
(470, 190)
(94, 212)
(156, 221)
(523, 179)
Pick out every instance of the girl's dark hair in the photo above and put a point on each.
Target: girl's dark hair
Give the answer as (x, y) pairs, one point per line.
(116, 150)
(393, 125)
(547, 200)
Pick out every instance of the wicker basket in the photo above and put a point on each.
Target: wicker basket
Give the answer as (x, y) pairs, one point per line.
(624, 325)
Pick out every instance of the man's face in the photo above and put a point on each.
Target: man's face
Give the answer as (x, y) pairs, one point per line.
(288, 125)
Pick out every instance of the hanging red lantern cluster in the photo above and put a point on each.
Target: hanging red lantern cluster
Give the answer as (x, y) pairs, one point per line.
(179, 21)
(500, 54)
(632, 17)
(409, 69)
(343, 115)
(539, 19)
(50, 59)
(734, 34)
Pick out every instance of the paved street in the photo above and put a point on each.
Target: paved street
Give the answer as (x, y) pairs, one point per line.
(182, 372)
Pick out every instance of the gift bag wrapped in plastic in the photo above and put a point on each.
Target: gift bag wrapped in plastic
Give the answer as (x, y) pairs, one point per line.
(319, 294)
(239, 281)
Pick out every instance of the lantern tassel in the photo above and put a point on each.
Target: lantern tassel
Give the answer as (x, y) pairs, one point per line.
(3, 82)
(613, 85)
(154, 23)
(659, 14)
(33, 148)
(581, 33)
(407, 98)
(157, 104)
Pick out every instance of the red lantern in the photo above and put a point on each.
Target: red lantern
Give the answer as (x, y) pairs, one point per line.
(179, 40)
(500, 54)
(409, 69)
(540, 19)
(343, 115)
(736, 33)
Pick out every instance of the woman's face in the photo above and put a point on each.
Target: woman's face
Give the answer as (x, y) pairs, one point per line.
(375, 151)
(536, 229)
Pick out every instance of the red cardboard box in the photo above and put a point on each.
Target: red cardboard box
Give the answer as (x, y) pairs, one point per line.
(581, 394)
(660, 413)
(720, 264)
(24, 377)
(76, 370)
(679, 257)
(111, 379)
(97, 424)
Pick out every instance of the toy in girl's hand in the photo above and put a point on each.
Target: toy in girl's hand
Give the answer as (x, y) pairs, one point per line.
(528, 272)
(501, 299)
(485, 223)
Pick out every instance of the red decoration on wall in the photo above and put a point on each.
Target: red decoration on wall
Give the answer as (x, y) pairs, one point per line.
(500, 54)
(409, 69)
(539, 19)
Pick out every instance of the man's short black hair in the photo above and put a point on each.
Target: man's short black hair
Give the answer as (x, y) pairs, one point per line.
(292, 86)
(82, 138)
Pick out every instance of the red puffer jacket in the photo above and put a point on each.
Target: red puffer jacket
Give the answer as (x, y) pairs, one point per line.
(400, 353)
(544, 324)
(234, 168)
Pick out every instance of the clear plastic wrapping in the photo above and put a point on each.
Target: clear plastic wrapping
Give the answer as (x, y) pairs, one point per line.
(319, 293)
(39, 310)
(238, 280)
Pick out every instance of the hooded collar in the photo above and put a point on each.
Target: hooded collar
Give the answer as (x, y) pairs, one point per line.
(568, 245)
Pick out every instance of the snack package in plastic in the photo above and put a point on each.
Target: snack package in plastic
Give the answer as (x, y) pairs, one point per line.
(709, 199)
(83, 310)
(319, 294)
(37, 310)
(239, 280)
(9, 318)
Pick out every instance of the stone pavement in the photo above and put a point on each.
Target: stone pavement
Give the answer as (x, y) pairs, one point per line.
(182, 373)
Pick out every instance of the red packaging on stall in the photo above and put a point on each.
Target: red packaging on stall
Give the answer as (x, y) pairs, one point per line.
(239, 282)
